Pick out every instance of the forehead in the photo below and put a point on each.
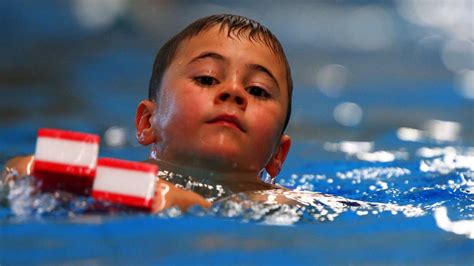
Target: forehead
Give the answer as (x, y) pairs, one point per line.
(238, 47)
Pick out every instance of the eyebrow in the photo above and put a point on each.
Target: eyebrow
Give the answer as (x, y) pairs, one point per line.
(263, 69)
(220, 57)
(208, 55)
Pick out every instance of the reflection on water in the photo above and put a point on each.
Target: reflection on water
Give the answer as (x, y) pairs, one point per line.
(116, 136)
(331, 79)
(348, 114)
(437, 130)
(465, 83)
(364, 151)
(96, 15)
(463, 227)
(441, 179)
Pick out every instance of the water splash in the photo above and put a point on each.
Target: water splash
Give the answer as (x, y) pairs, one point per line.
(448, 163)
(25, 201)
(308, 207)
(411, 189)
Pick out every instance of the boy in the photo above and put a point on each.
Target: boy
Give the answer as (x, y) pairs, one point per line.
(219, 102)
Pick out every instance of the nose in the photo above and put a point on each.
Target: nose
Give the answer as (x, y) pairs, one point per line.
(232, 96)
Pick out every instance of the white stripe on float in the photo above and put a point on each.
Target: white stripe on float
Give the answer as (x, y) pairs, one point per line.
(122, 181)
(66, 151)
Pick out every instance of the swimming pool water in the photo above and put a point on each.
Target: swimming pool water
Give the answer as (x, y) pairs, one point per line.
(409, 163)
(401, 229)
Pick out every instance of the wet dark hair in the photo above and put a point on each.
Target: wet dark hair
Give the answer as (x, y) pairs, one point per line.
(237, 26)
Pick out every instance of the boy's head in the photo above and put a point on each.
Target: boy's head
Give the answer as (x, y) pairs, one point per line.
(234, 26)
(219, 97)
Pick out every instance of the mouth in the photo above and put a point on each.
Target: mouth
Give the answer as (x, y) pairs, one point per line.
(227, 120)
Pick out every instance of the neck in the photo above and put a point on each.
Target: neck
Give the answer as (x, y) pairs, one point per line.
(236, 181)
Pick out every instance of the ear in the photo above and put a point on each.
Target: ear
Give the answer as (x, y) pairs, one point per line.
(273, 167)
(143, 122)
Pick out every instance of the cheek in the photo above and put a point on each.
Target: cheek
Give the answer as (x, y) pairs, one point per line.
(178, 111)
(166, 113)
(268, 126)
(269, 118)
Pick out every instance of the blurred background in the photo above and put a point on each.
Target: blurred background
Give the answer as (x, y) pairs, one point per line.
(363, 71)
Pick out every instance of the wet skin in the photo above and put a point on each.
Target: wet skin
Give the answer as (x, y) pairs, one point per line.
(219, 114)
(166, 194)
(220, 108)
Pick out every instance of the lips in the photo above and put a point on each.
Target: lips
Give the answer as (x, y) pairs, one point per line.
(227, 120)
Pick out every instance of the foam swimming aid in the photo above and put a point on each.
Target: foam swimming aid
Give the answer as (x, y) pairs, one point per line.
(68, 160)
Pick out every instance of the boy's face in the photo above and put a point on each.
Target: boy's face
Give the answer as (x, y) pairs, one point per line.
(222, 105)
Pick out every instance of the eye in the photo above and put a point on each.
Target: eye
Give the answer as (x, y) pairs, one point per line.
(259, 92)
(205, 81)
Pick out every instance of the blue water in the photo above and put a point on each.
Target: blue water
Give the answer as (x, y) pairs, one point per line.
(57, 73)
(43, 231)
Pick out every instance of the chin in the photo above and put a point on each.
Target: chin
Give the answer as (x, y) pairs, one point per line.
(222, 146)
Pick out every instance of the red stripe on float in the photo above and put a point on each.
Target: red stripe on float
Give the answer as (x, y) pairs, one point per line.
(123, 199)
(52, 182)
(68, 135)
(43, 166)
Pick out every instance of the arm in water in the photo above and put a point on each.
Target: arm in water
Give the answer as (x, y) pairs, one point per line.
(167, 195)
(17, 167)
